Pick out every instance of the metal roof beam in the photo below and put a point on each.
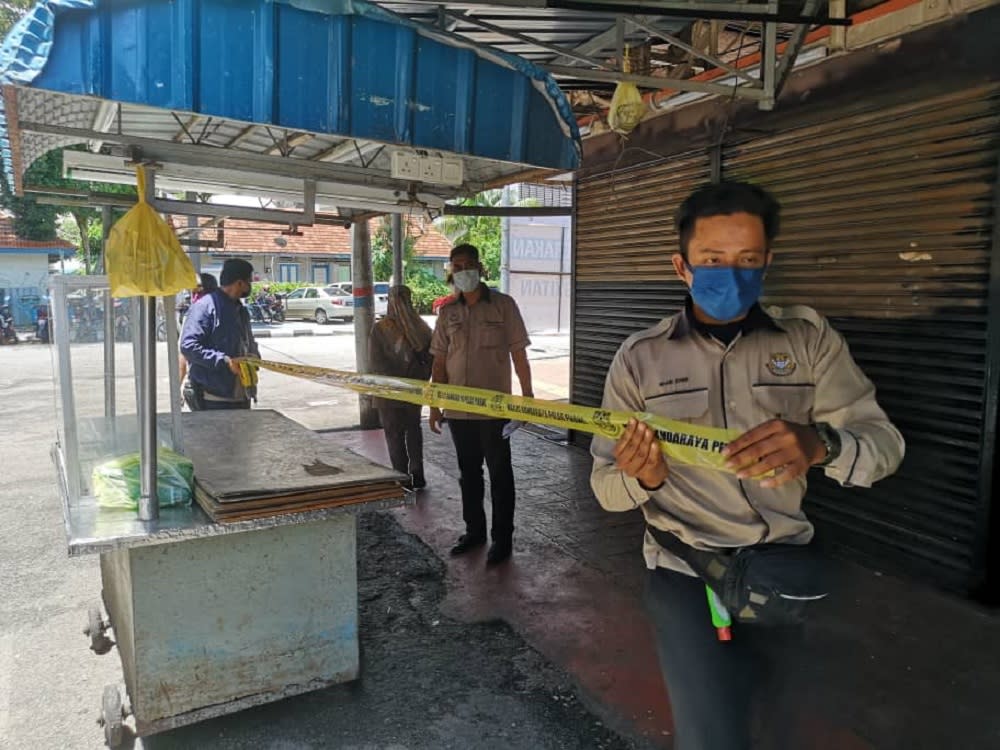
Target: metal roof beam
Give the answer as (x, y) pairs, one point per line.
(706, 10)
(152, 149)
(346, 151)
(285, 145)
(237, 139)
(792, 48)
(523, 211)
(653, 82)
(562, 51)
(650, 28)
(592, 46)
(103, 119)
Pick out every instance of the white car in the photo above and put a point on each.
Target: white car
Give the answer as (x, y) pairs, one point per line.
(320, 303)
(380, 289)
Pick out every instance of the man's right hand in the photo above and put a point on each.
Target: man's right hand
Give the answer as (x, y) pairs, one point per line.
(638, 455)
(435, 420)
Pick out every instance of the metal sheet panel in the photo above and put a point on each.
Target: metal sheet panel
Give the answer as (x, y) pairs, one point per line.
(888, 222)
(888, 219)
(622, 275)
(340, 68)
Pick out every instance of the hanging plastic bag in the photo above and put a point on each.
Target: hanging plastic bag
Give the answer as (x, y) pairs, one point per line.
(627, 108)
(116, 481)
(144, 257)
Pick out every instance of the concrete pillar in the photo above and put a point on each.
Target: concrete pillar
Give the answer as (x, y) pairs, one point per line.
(364, 311)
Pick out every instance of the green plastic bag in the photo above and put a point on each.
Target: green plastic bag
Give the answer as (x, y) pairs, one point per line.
(116, 481)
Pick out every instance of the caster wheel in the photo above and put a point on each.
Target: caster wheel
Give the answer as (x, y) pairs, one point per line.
(96, 627)
(112, 717)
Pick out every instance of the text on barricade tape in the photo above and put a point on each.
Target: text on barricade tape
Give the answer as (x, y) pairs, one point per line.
(680, 441)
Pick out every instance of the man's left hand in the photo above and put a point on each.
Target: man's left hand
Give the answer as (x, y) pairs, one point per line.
(785, 448)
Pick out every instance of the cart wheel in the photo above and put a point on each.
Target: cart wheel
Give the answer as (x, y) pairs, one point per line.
(112, 716)
(96, 627)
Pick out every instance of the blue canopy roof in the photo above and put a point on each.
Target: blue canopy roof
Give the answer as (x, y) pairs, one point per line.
(344, 67)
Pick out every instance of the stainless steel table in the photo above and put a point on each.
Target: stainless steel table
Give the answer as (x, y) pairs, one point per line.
(212, 618)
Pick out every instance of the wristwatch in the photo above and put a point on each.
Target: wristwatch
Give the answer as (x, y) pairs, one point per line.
(831, 441)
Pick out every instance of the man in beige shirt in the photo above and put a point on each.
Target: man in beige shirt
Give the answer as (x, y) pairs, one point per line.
(782, 376)
(476, 337)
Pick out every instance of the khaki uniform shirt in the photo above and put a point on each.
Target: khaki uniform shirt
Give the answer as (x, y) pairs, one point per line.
(477, 341)
(788, 363)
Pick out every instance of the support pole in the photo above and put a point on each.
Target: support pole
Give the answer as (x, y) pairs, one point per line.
(109, 323)
(192, 221)
(397, 250)
(505, 243)
(149, 506)
(364, 312)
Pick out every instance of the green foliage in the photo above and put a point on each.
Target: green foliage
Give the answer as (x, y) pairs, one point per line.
(482, 231)
(425, 288)
(277, 287)
(381, 243)
(35, 221)
(11, 11)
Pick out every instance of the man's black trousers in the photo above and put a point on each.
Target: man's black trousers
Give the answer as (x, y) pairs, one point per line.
(476, 441)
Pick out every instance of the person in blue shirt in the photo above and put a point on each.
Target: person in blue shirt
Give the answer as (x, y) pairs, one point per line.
(216, 335)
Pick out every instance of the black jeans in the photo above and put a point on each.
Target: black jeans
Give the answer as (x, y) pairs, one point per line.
(476, 440)
(194, 397)
(713, 686)
(404, 438)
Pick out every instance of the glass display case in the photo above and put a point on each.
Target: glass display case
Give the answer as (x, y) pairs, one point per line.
(108, 378)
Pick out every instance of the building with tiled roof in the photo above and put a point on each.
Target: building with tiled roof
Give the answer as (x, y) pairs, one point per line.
(319, 254)
(24, 270)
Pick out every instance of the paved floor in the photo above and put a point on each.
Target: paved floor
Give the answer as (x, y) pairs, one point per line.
(885, 664)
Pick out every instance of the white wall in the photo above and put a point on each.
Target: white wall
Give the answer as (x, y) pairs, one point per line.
(24, 270)
(540, 271)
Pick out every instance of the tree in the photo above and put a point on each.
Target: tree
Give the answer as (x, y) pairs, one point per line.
(482, 231)
(11, 11)
(35, 221)
(382, 249)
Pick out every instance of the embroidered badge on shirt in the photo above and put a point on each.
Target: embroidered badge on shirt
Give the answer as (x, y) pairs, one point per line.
(781, 364)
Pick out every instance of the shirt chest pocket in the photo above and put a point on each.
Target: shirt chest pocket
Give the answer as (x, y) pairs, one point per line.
(689, 406)
(491, 335)
(793, 402)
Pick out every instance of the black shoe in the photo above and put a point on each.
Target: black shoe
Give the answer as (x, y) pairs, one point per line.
(417, 481)
(466, 542)
(499, 552)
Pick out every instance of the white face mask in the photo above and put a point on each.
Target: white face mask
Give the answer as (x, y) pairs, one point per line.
(466, 281)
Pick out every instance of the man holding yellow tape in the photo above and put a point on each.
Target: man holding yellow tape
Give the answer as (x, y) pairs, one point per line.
(786, 380)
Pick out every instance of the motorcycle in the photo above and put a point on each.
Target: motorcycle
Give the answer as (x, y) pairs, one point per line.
(276, 308)
(7, 333)
(42, 326)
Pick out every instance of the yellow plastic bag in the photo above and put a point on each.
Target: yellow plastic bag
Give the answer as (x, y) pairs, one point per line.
(144, 257)
(627, 108)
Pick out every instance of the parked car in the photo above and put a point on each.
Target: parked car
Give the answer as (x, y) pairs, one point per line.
(319, 303)
(380, 290)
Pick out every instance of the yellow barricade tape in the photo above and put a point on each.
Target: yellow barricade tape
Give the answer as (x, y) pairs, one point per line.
(680, 441)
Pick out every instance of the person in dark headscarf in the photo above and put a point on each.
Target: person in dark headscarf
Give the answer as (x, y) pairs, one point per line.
(206, 285)
(399, 346)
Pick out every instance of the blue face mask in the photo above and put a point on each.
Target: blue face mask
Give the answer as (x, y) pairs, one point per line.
(724, 292)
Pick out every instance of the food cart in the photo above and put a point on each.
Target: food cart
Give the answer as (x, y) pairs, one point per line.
(209, 617)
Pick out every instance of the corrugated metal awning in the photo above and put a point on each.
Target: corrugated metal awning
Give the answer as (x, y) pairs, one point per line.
(298, 89)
